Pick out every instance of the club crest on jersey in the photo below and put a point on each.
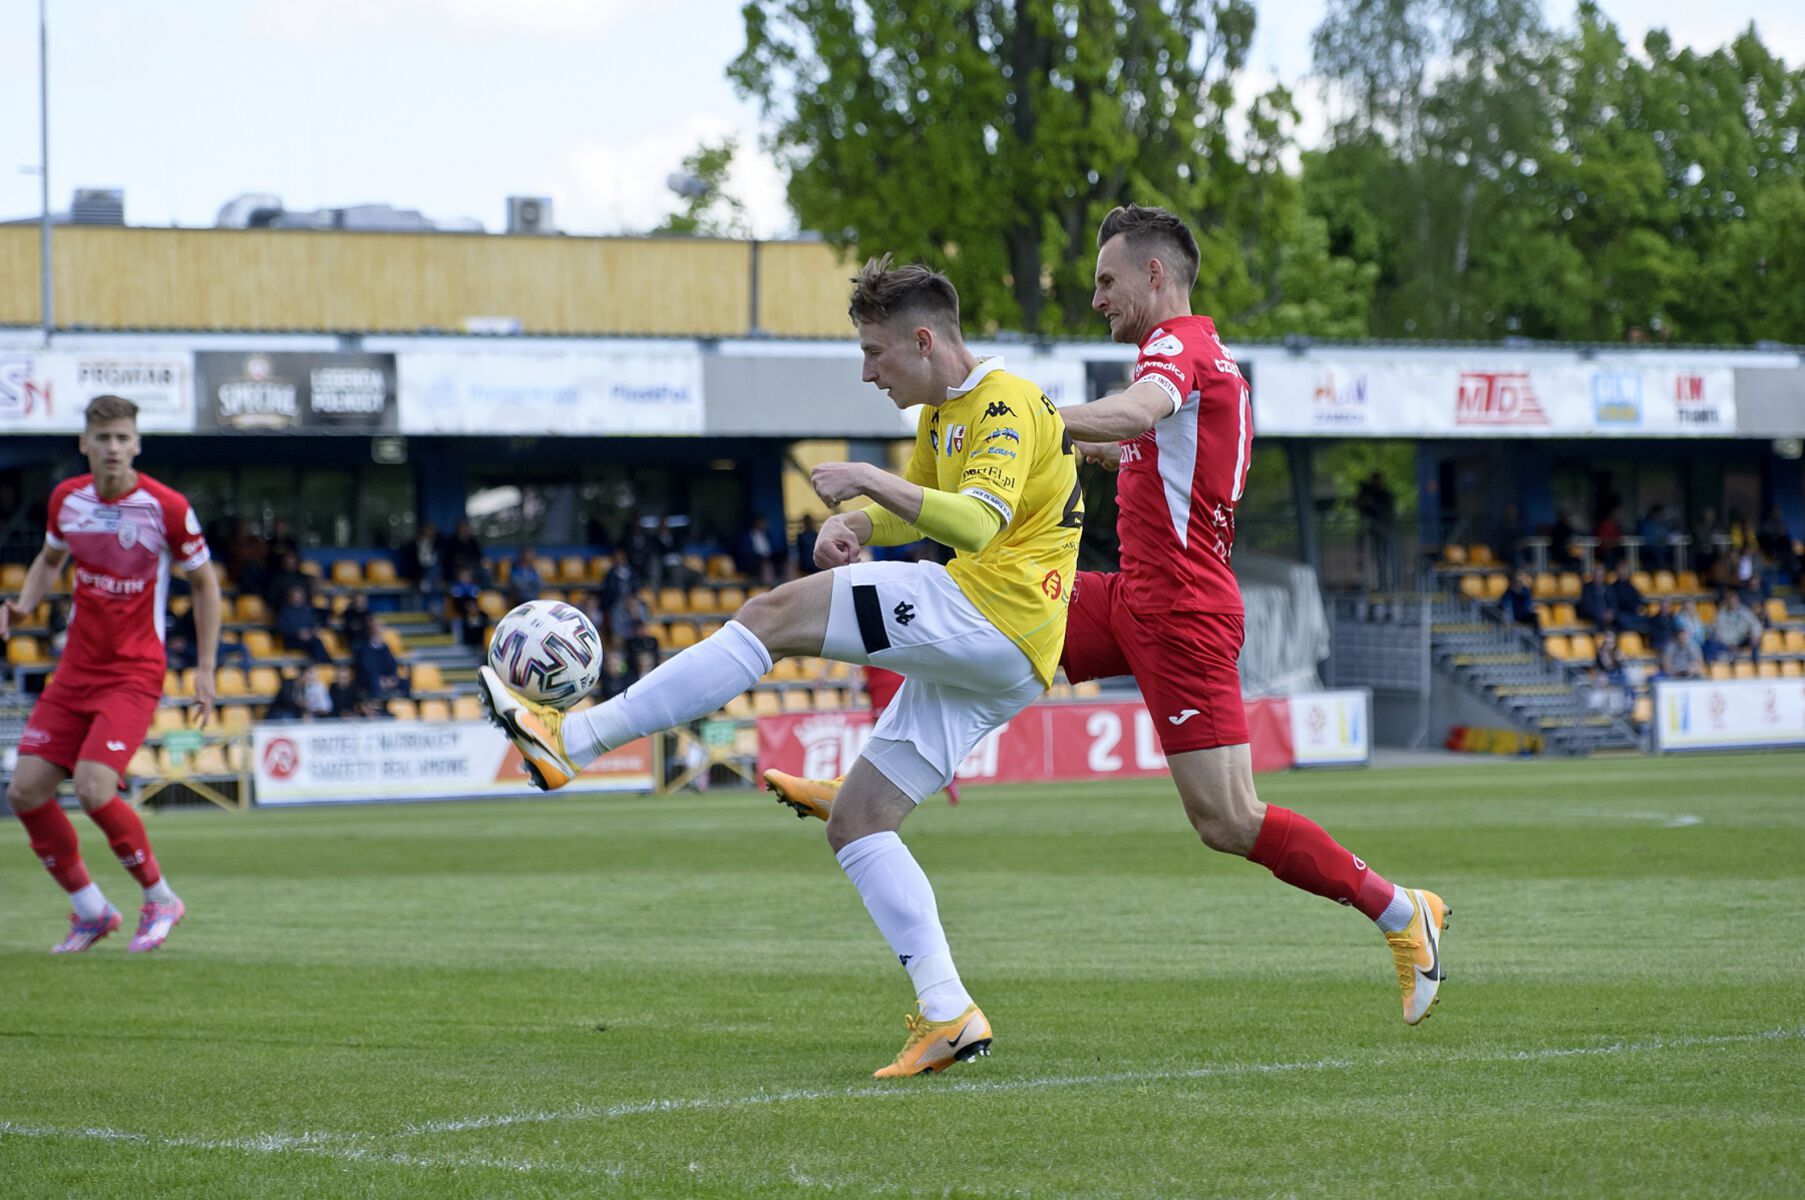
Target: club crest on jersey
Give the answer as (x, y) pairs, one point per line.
(955, 439)
(128, 534)
(1010, 434)
(1164, 343)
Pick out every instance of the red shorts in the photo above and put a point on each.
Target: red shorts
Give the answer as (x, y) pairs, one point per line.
(103, 725)
(881, 685)
(1184, 662)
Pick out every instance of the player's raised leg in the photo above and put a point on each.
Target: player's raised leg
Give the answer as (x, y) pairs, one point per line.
(789, 620)
(97, 787)
(32, 795)
(1217, 788)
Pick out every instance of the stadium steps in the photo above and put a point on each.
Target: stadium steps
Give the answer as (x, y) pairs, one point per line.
(1502, 666)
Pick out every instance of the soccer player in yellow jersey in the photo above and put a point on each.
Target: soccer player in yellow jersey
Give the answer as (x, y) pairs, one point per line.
(993, 476)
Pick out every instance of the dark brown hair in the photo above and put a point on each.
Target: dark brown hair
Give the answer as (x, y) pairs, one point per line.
(1154, 233)
(882, 293)
(102, 409)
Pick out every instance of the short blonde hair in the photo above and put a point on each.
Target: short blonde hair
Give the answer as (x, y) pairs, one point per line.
(102, 409)
(883, 293)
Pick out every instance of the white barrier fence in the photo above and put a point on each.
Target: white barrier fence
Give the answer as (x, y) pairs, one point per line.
(1729, 714)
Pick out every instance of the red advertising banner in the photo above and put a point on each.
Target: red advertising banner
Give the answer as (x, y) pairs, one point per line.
(1044, 742)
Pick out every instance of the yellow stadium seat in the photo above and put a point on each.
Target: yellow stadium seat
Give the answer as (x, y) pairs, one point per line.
(1582, 647)
(1567, 585)
(403, 710)
(251, 608)
(1795, 641)
(797, 700)
(179, 606)
(1767, 669)
(334, 643)
(428, 678)
(347, 573)
(1644, 710)
(381, 573)
(740, 707)
(672, 600)
(1544, 586)
(1479, 555)
(1454, 556)
(829, 699)
(1631, 646)
(392, 639)
(1642, 581)
(258, 644)
(660, 633)
(722, 566)
(1743, 669)
(785, 670)
(766, 703)
(263, 681)
(1089, 689)
(1665, 584)
(12, 577)
(466, 708)
(1687, 581)
(573, 569)
(1773, 642)
(1707, 611)
(435, 710)
(1720, 670)
(683, 633)
(143, 764)
(729, 599)
(703, 600)
(1776, 613)
(493, 604)
(233, 717)
(228, 681)
(211, 760)
(23, 651)
(1557, 647)
(1472, 587)
(168, 719)
(1792, 668)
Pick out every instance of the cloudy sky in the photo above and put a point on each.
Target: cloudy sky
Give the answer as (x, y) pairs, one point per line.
(450, 106)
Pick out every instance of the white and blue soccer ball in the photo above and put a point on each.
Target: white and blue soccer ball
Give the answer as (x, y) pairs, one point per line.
(547, 651)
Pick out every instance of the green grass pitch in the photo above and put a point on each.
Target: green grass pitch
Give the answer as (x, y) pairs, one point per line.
(684, 997)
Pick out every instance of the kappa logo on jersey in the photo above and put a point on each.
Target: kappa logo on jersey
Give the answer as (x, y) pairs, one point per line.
(1164, 343)
(955, 439)
(1010, 434)
(904, 612)
(999, 409)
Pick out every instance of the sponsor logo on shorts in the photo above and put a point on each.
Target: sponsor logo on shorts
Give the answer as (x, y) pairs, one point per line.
(33, 736)
(116, 747)
(1184, 715)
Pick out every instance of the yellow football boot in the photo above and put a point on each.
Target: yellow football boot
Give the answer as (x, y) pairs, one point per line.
(809, 797)
(535, 729)
(937, 1045)
(1416, 952)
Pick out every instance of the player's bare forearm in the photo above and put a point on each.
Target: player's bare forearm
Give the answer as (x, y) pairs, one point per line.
(1118, 418)
(41, 577)
(203, 582)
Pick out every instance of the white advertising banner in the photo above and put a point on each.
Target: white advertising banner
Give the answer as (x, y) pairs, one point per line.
(1330, 729)
(48, 391)
(571, 392)
(379, 761)
(1729, 714)
(1330, 398)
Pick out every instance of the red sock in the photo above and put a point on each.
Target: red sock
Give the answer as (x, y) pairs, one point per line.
(1301, 852)
(53, 841)
(125, 834)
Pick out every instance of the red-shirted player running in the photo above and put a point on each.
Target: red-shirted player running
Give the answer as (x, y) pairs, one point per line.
(1181, 438)
(125, 532)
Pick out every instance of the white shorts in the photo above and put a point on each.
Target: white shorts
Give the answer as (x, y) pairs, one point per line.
(962, 676)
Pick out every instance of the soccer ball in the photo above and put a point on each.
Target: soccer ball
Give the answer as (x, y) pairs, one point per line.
(547, 651)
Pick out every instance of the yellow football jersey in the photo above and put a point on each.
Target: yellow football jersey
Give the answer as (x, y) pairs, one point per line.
(1000, 440)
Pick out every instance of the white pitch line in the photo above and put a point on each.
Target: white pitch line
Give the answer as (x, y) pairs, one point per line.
(353, 1147)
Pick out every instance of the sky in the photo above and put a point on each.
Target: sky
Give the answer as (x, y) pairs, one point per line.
(451, 106)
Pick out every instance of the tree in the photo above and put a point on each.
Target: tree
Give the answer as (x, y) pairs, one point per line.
(990, 137)
(709, 209)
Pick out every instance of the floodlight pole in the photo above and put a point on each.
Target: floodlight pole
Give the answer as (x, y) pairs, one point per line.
(44, 298)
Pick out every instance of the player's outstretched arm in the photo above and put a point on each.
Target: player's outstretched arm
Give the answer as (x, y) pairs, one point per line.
(203, 581)
(38, 582)
(1121, 417)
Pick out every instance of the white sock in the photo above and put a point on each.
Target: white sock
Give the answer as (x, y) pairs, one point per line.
(1397, 914)
(159, 893)
(901, 901)
(89, 904)
(692, 684)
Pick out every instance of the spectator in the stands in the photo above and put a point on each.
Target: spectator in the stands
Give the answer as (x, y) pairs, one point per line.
(640, 649)
(619, 583)
(1595, 601)
(316, 694)
(1518, 600)
(1377, 508)
(1607, 663)
(1662, 627)
(379, 674)
(354, 622)
(524, 580)
(641, 551)
(298, 623)
(1560, 540)
(344, 695)
(1682, 659)
(461, 550)
(421, 564)
(614, 678)
(1745, 574)
(671, 544)
(1626, 603)
(290, 703)
(806, 537)
(1705, 535)
(470, 623)
(1688, 618)
(1609, 529)
(286, 574)
(282, 542)
(757, 553)
(1737, 628)
(1655, 530)
(247, 558)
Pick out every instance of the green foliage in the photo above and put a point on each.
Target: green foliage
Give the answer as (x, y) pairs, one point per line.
(990, 137)
(714, 211)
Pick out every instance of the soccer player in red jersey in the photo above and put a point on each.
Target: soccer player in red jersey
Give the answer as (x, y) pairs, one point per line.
(1180, 437)
(126, 532)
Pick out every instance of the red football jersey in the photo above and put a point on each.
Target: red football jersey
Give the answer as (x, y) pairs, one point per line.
(1180, 481)
(122, 547)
